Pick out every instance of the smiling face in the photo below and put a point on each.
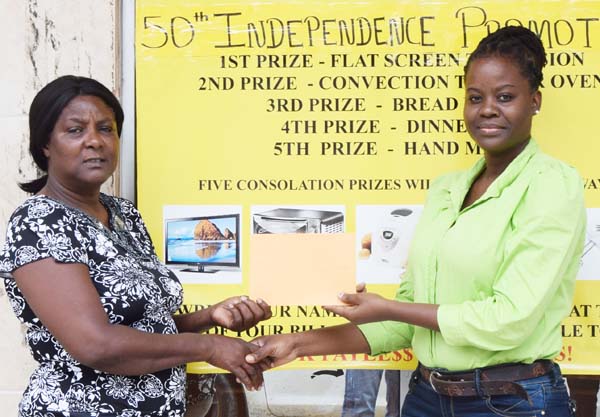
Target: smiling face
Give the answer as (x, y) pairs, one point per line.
(499, 106)
(84, 145)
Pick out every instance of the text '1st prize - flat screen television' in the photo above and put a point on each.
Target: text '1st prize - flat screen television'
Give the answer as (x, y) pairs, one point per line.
(203, 241)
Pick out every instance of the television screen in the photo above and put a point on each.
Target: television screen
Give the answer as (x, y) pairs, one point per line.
(206, 240)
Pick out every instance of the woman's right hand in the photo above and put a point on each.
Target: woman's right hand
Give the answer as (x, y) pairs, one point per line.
(362, 307)
(280, 349)
(277, 349)
(229, 353)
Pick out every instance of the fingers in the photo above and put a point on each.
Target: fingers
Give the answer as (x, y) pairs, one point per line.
(262, 353)
(246, 313)
(236, 318)
(230, 355)
(265, 363)
(342, 311)
(258, 355)
(259, 341)
(361, 287)
(242, 377)
(249, 375)
(255, 374)
(275, 350)
(266, 308)
(352, 299)
(253, 306)
(245, 308)
(256, 311)
(259, 309)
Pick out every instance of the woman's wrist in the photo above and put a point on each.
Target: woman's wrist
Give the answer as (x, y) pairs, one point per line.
(194, 322)
(208, 347)
(297, 347)
(390, 310)
(206, 317)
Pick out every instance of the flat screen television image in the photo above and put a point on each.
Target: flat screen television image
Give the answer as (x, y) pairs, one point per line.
(203, 241)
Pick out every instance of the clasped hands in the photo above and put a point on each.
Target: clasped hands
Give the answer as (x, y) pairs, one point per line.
(238, 314)
(263, 353)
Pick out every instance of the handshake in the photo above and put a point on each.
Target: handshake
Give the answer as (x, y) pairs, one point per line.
(229, 353)
(248, 360)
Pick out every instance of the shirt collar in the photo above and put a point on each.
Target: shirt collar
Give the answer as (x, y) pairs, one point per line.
(458, 189)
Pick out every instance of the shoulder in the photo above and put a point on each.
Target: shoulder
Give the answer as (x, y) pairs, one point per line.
(42, 227)
(38, 209)
(442, 186)
(552, 180)
(121, 202)
(445, 181)
(552, 194)
(123, 206)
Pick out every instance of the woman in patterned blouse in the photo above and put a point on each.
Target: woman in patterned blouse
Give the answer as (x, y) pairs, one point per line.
(82, 274)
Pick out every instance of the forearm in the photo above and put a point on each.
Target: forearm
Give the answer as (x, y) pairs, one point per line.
(345, 338)
(70, 308)
(126, 351)
(418, 314)
(194, 322)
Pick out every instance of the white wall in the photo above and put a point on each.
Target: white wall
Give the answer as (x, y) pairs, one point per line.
(42, 39)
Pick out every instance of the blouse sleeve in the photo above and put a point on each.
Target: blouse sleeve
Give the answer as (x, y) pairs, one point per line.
(40, 229)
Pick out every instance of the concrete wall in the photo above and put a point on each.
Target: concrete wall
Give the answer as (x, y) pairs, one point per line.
(42, 39)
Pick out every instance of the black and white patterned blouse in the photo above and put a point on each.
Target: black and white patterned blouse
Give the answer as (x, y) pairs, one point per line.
(135, 289)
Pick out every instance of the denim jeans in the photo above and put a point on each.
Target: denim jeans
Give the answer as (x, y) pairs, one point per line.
(362, 386)
(548, 398)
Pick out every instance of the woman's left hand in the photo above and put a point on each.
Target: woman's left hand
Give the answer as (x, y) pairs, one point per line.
(361, 307)
(239, 313)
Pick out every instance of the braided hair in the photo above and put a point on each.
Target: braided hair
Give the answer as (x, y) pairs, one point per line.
(520, 45)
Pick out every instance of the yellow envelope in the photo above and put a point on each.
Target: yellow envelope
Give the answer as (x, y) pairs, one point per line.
(302, 268)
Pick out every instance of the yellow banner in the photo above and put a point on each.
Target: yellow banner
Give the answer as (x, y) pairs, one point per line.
(316, 116)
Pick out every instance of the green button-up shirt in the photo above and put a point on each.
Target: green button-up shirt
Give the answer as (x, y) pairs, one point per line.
(502, 270)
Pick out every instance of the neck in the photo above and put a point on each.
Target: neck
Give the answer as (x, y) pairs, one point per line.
(87, 201)
(496, 163)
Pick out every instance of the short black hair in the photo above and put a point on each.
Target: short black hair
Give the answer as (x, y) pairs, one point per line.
(518, 44)
(47, 107)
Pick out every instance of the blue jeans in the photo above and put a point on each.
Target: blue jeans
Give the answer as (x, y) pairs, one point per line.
(362, 386)
(548, 398)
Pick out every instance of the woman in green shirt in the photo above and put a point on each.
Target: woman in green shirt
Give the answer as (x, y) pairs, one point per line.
(491, 269)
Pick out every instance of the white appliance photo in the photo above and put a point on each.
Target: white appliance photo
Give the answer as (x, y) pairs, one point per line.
(388, 245)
